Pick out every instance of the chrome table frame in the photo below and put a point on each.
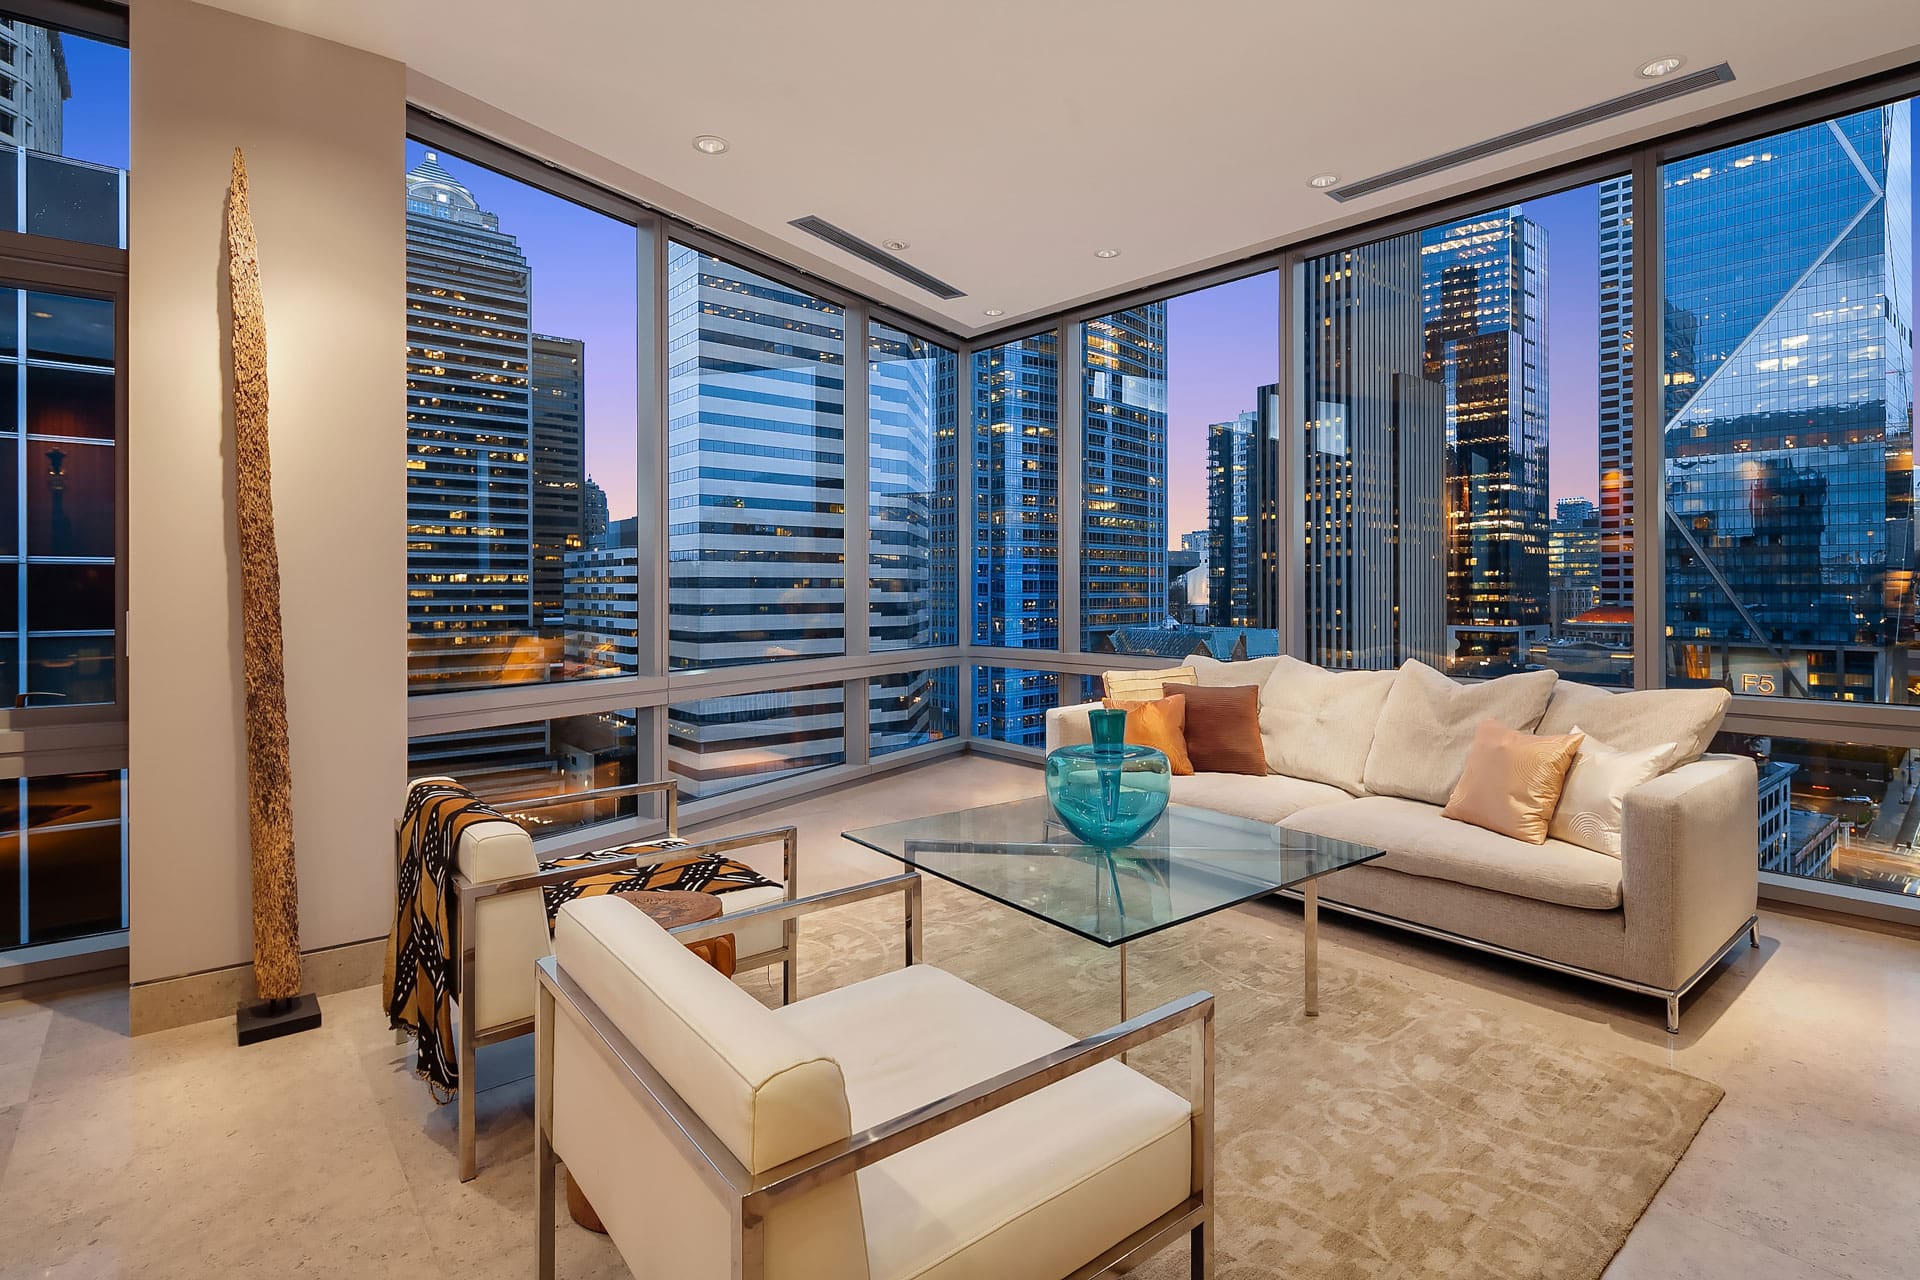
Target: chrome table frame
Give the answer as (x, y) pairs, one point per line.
(750, 1195)
(469, 894)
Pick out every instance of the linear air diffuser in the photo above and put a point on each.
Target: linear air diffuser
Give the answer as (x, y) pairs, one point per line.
(873, 253)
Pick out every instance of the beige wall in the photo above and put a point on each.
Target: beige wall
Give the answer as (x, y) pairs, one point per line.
(323, 128)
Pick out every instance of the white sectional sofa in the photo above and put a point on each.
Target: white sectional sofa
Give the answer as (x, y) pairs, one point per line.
(1370, 757)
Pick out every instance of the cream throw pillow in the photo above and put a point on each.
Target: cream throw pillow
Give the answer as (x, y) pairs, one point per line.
(1687, 719)
(1427, 724)
(1318, 724)
(1512, 781)
(1144, 686)
(1593, 800)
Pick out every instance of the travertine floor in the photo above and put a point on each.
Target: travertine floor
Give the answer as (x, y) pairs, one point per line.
(179, 1155)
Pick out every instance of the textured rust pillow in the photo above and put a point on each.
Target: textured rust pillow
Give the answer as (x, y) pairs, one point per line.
(1223, 728)
(1160, 725)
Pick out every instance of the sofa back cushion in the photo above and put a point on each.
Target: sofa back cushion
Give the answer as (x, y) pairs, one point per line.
(764, 1091)
(1214, 674)
(1223, 728)
(1636, 721)
(1143, 686)
(1318, 724)
(1427, 723)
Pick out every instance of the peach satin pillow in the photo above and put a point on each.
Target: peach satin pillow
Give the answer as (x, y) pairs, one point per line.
(1160, 724)
(1512, 781)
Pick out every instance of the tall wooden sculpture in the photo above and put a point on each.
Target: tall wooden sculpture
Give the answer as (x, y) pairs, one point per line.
(276, 899)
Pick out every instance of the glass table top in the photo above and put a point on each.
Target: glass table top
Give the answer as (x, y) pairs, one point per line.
(1191, 863)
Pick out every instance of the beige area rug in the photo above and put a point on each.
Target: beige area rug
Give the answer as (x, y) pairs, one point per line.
(1400, 1134)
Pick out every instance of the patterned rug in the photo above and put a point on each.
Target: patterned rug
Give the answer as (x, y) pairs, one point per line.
(1401, 1134)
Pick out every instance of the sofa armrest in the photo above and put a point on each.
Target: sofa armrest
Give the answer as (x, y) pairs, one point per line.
(1690, 865)
(1069, 726)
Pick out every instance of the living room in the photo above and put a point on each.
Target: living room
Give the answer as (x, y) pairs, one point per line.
(1003, 641)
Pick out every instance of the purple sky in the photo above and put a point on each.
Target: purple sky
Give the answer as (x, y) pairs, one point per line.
(583, 265)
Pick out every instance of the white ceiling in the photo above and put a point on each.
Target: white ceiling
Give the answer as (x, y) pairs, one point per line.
(1006, 140)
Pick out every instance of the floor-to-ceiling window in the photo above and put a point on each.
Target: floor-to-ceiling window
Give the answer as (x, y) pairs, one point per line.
(63, 160)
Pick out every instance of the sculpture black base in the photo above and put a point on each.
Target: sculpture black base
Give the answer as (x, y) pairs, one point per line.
(269, 1019)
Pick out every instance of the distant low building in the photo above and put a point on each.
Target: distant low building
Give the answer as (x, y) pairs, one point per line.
(1223, 644)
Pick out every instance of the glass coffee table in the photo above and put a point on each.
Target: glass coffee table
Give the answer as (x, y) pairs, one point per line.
(1191, 863)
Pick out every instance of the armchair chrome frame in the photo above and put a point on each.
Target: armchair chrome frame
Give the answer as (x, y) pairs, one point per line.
(751, 1195)
(469, 894)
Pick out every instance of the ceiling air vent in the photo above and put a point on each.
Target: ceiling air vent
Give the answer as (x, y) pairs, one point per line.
(879, 257)
(1663, 91)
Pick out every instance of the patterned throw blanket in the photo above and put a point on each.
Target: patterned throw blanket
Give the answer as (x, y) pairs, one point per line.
(422, 969)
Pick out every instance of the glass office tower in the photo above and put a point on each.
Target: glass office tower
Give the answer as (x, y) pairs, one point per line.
(1789, 407)
(1123, 528)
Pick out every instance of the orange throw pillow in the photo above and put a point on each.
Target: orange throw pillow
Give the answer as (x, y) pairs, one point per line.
(1160, 725)
(1512, 780)
(1223, 728)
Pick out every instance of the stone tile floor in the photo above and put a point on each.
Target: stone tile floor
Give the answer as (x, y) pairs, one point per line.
(177, 1154)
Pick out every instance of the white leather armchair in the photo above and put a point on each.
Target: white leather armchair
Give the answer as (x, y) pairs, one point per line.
(908, 1127)
(500, 920)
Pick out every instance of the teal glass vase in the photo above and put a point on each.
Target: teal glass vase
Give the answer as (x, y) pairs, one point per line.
(1108, 794)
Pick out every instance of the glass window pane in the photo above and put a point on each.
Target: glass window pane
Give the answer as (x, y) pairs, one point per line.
(70, 597)
(73, 845)
(69, 329)
(71, 507)
(516, 762)
(1180, 527)
(522, 336)
(1835, 811)
(10, 888)
(911, 387)
(1468, 488)
(756, 466)
(64, 124)
(69, 670)
(1788, 268)
(912, 708)
(718, 745)
(1010, 704)
(9, 313)
(10, 397)
(67, 402)
(1016, 505)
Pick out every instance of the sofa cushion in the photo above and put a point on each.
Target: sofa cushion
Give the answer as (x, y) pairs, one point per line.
(1420, 842)
(1638, 720)
(1160, 724)
(1428, 721)
(1512, 780)
(1038, 1187)
(1318, 724)
(1267, 799)
(1142, 686)
(1211, 673)
(1592, 805)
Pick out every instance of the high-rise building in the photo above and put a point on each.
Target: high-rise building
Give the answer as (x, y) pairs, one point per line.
(1375, 457)
(756, 540)
(1484, 311)
(559, 468)
(470, 615)
(903, 376)
(1233, 520)
(1123, 538)
(1789, 440)
(593, 514)
(602, 594)
(34, 87)
(1616, 394)
(1575, 555)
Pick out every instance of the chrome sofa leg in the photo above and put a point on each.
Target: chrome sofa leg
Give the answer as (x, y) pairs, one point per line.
(1753, 933)
(1673, 1015)
(1200, 1246)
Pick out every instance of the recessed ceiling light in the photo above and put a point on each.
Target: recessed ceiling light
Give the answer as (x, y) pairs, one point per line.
(1321, 181)
(993, 311)
(1661, 67)
(708, 144)
(895, 245)
(1106, 253)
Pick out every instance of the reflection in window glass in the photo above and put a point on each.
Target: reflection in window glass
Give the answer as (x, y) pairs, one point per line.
(62, 857)
(1468, 497)
(718, 745)
(910, 440)
(63, 134)
(507, 763)
(911, 709)
(1788, 268)
(1836, 811)
(1010, 704)
(756, 467)
(1180, 526)
(521, 334)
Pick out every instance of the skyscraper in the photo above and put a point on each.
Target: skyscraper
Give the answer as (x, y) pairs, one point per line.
(34, 87)
(1790, 483)
(1233, 520)
(1574, 558)
(1123, 538)
(1375, 456)
(1616, 393)
(1484, 307)
(470, 615)
(559, 467)
(903, 377)
(593, 514)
